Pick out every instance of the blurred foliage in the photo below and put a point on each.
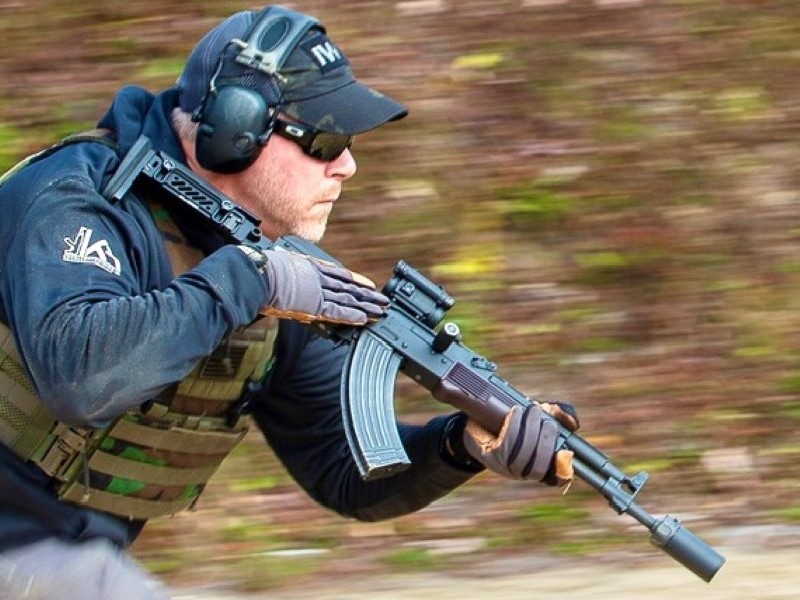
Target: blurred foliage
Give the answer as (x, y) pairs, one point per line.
(405, 559)
(608, 188)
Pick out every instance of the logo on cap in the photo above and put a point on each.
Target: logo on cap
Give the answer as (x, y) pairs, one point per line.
(325, 53)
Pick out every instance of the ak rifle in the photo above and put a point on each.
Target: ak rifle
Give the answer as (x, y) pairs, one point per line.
(407, 340)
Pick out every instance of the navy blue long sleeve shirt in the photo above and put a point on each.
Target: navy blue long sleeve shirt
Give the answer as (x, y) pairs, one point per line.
(102, 325)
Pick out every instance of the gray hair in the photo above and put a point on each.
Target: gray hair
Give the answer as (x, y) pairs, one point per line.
(182, 123)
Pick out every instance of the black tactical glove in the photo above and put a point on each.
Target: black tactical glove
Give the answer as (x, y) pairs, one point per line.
(525, 448)
(309, 290)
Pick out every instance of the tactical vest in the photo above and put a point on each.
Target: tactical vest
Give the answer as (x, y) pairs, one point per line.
(155, 460)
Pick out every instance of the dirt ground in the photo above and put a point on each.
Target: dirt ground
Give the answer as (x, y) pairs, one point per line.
(762, 564)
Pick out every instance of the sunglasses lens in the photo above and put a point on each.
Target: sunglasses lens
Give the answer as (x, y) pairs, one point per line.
(329, 146)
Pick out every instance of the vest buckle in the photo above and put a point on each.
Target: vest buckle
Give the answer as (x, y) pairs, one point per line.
(69, 444)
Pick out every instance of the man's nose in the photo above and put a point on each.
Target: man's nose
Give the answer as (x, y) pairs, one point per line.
(343, 167)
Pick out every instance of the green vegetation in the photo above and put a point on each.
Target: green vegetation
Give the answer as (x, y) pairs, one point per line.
(411, 559)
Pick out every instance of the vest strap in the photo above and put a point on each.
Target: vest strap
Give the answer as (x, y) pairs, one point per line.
(164, 415)
(118, 466)
(103, 136)
(176, 439)
(126, 506)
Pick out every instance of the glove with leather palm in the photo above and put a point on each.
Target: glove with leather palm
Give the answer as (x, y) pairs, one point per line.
(525, 448)
(310, 290)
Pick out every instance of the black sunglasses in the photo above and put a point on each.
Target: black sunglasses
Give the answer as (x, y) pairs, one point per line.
(321, 145)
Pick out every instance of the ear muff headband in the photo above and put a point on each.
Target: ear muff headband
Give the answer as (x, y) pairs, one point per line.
(236, 121)
(279, 27)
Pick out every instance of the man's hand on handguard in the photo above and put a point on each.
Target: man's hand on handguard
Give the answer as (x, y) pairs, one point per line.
(525, 448)
(309, 290)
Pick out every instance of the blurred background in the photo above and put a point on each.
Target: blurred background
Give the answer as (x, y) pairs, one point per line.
(609, 188)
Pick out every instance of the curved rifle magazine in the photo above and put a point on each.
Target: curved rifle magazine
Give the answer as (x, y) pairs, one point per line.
(367, 392)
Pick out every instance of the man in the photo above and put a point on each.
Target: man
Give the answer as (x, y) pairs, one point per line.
(132, 337)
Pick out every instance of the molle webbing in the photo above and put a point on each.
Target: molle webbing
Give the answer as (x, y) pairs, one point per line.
(26, 426)
(150, 462)
(155, 488)
(24, 421)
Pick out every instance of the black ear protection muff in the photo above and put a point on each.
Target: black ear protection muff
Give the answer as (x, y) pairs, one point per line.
(235, 121)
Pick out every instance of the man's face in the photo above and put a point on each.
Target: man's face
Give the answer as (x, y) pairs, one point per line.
(289, 191)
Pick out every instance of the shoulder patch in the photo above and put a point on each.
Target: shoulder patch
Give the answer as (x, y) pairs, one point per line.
(80, 249)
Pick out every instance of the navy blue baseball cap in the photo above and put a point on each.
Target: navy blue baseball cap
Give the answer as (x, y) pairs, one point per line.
(315, 84)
